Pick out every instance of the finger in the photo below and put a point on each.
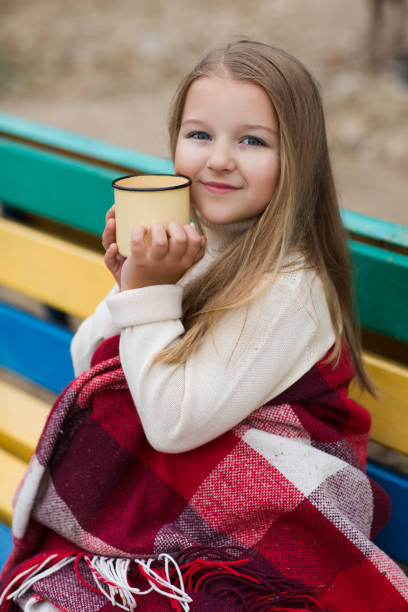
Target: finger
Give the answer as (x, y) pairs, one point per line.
(110, 214)
(178, 240)
(109, 234)
(196, 244)
(160, 243)
(111, 257)
(114, 261)
(137, 242)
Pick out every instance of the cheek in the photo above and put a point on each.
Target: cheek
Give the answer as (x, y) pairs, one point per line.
(179, 156)
(178, 165)
(194, 196)
(266, 175)
(267, 184)
(183, 160)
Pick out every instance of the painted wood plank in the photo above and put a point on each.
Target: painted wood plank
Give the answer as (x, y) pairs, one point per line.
(12, 470)
(101, 151)
(129, 160)
(64, 189)
(381, 278)
(372, 228)
(35, 349)
(393, 539)
(382, 289)
(390, 413)
(81, 145)
(22, 418)
(54, 271)
(6, 544)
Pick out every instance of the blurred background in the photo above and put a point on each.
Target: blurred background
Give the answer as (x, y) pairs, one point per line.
(108, 70)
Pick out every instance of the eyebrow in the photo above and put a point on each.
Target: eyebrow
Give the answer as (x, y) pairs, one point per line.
(244, 127)
(260, 126)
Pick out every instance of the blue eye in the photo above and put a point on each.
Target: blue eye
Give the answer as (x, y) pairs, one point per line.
(253, 141)
(199, 135)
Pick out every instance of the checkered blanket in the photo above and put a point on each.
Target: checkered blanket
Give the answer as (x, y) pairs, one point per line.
(276, 514)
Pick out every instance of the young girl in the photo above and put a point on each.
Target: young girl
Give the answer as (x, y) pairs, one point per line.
(208, 457)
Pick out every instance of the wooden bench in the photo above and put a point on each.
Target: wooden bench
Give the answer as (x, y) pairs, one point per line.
(55, 188)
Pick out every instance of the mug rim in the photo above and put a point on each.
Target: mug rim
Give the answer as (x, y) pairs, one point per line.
(186, 184)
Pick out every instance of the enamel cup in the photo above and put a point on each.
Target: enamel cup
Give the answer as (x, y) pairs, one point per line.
(144, 199)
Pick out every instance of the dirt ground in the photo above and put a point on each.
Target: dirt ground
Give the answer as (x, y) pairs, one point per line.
(108, 70)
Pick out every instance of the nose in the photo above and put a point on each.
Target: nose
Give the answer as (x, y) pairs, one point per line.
(221, 157)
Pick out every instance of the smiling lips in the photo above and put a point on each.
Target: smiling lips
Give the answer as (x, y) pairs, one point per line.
(214, 187)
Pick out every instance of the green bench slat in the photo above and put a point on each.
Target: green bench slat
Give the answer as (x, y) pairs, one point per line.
(98, 150)
(375, 229)
(382, 289)
(49, 184)
(82, 145)
(64, 189)
(35, 349)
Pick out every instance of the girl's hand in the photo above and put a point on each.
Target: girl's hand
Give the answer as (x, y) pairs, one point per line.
(113, 260)
(166, 260)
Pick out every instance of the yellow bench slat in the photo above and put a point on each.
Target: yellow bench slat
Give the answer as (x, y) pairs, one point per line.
(22, 417)
(390, 412)
(54, 271)
(12, 470)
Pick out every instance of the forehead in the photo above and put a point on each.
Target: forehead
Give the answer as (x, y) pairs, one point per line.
(226, 99)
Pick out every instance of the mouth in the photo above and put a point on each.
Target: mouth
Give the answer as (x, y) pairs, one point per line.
(214, 187)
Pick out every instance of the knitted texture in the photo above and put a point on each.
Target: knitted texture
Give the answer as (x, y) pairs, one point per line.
(276, 514)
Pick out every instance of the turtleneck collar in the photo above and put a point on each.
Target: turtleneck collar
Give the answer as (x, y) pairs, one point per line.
(220, 235)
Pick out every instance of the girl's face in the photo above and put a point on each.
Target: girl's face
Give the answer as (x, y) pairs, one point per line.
(228, 145)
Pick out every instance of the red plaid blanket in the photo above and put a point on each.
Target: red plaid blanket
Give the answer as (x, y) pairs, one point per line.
(277, 514)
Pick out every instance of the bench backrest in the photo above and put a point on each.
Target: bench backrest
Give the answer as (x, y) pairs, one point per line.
(56, 188)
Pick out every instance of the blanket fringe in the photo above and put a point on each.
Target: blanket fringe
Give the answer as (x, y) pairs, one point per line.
(27, 576)
(110, 576)
(251, 588)
(235, 576)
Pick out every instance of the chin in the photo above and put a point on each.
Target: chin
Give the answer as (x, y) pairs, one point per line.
(218, 217)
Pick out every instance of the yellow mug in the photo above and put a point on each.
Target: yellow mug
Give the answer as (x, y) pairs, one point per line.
(144, 199)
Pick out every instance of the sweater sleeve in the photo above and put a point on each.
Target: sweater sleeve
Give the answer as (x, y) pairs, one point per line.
(92, 331)
(254, 354)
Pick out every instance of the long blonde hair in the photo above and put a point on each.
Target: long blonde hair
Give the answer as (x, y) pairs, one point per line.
(303, 215)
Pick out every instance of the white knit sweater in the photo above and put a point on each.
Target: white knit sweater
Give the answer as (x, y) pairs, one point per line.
(252, 356)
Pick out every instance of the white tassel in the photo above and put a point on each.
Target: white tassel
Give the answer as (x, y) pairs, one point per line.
(178, 592)
(113, 572)
(111, 578)
(15, 579)
(35, 574)
(102, 567)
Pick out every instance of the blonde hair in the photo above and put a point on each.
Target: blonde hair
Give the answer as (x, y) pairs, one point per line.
(303, 215)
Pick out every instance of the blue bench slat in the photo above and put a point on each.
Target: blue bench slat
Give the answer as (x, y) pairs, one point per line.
(6, 543)
(35, 349)
(393, 539)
